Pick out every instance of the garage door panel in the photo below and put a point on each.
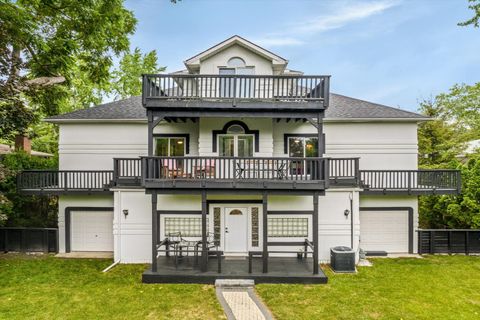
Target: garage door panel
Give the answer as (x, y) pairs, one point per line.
(384, 231)
(92, 231)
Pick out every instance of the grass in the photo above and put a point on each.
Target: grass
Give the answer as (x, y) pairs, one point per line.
(52, 288)
(437, 287)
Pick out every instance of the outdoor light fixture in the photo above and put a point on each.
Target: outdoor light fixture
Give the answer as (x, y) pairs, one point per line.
(346, 212)
(125, 212)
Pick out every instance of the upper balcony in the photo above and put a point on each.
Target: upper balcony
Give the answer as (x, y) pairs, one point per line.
(225, 92)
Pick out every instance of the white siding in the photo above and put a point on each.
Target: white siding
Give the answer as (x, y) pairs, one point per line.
(210, 65)
(381, 145)
(93, 146)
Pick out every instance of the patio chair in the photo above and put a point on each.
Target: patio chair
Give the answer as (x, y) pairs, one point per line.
(206, 169)
(180, 245)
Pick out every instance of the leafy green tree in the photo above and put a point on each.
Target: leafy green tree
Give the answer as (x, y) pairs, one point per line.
(23, 210)
(459, 211)
(475, 20)
(127, 80)
(46, 46)
(438, 145)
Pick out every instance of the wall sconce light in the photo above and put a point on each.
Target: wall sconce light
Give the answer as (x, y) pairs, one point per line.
(346, 213)
(125, 212)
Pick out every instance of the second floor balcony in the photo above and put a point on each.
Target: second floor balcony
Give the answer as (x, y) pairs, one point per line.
(190, 90)
(237, 173)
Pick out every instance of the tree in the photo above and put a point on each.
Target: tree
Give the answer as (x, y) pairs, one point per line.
(475, 20)
(46, 46)
(127, 80)
(455, 121)
(438, 145)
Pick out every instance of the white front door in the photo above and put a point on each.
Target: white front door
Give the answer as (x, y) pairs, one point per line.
(236, 224)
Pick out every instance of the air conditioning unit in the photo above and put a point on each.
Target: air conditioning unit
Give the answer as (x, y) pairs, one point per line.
(342, 259)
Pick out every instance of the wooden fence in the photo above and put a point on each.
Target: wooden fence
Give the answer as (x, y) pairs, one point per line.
(29, 239)
(431, 241)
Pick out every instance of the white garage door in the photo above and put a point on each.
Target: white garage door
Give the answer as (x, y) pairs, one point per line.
(92, 230)
(384, 231)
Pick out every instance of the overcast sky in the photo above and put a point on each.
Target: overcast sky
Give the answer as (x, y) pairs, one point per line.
(395, 52)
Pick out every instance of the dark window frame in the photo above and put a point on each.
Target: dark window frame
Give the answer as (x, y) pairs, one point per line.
(186, 136)
(287, 136)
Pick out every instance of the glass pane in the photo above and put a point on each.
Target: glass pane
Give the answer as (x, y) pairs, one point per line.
(295, 147)
(236, 62)
(226, 85)
(311, 147)
(226, 146)
(244, 85)
(235, 129)
(177, 147)
(161, 148)
(245, 146)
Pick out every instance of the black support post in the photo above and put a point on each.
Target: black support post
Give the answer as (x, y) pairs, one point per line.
(150, 132)
(204, 232)
(155, 231)
(265, 231)
(315, 232)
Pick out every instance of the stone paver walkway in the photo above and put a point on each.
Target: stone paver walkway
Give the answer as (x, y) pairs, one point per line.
(240, 302)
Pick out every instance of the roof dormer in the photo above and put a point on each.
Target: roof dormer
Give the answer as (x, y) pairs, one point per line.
(234, 51)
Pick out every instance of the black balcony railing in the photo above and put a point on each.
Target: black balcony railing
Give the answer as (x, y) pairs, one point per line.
(411, 181)
(236, 87)
(64, 180)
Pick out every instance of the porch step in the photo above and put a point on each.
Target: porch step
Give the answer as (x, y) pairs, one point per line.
(224, 283)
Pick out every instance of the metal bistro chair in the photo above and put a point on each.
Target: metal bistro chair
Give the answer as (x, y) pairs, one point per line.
(212, 245)
(180, 245)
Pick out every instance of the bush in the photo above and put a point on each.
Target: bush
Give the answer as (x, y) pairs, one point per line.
(25, 210)
(455, 211)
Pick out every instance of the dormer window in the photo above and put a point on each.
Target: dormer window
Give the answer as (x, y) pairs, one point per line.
(236, 62)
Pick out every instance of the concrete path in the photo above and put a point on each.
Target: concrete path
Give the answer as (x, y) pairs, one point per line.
(86, 254)
(239, 300)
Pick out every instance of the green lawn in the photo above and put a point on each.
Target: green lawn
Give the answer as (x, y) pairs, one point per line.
(437, 287)
(52, 288)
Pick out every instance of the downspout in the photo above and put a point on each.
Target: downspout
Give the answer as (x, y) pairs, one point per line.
(119, 242)
(351, 219)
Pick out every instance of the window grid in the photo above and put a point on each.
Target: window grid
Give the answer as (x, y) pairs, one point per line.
(255, 228)
(287, 227)
(188, 227)
(216, 224)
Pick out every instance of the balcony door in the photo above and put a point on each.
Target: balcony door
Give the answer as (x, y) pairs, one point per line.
(302, 147)
(235, 143)
(231, 87)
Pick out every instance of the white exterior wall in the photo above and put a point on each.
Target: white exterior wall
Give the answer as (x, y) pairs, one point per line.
(94, 145)
(212, 64)
(380, 145)
(77, 201)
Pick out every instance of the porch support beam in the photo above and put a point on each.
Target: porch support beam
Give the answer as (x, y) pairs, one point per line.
(155, 231)
(203, 266)
(265, 231)
(315, 232)
(153, 120)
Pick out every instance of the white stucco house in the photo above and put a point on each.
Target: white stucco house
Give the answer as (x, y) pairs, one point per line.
(239, 151)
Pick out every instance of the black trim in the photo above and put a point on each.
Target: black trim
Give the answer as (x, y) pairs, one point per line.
(176, 135)
(256, 134)
(292, 135)
(410, 220)
(234, 201)
(68, 221)
(290, 212)
(179, 212)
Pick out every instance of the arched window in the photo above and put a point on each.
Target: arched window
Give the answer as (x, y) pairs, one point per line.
(236, 62)
(235, 129)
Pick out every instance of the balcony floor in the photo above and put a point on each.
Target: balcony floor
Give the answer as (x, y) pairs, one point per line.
(281, 270)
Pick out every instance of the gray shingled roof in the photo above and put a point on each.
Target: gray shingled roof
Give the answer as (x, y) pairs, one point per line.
(341, 107)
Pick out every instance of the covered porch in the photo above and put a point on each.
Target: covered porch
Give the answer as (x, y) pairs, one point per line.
(269, 254)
